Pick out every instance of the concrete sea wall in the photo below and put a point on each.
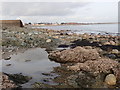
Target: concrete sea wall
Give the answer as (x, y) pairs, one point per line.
(11, 23)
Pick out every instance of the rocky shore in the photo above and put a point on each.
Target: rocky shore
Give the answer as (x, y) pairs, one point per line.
(94, 59)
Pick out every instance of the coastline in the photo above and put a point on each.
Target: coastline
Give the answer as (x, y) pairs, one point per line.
(20, 39)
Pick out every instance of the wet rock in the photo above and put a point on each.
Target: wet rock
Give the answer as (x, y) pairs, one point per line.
(112, 56)
(84, 42)
(63, 46)
(7, 58)
(110, 79)
(46, 80)
(19, 78)
(85, 81)
(78, 54)
(41, 85)
(8, 64)
(71, 80)
(46, 74)
(27, 60)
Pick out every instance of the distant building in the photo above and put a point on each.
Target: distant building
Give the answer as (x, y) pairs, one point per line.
(11, 23)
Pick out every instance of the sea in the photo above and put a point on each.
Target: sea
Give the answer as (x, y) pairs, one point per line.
(90, 29)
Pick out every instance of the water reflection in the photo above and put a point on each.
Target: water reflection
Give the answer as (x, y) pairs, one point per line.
(32, 62)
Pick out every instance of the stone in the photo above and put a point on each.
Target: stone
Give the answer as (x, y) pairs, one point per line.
(8, 64)
(55, 37)
(49, 40)
(7, 58)
(7, 83)
(114, 51)
(112, 56)
(27, 60)
(72, 81)
(96, 67)
(78, 54)
(110, 79)
(112, 43)
(106, 43)
(84, 80)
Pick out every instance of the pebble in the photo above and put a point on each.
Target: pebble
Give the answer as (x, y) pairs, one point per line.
(49, 40)
(114, 51)
(7, 58)
(106, 43)
(8, 65)
(112, 43)
(110, 79)
(27, 60)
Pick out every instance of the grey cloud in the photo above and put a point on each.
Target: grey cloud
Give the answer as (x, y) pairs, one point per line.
(40, 8)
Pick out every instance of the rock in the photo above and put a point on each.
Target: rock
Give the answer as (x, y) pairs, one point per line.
(27, 60)
(88, 47)
(110, 79)
(19, 78)
(114, 51)
(112, 43)
(55, 37)
(74, 67)
(78, 54)
(46, 74)
(49, 40)
(96, 67)
(106, 43)
(8, 64)
(84, 80)
(7, 83)
(71, 81)
(112, 56)
(63, 46)
(7, 58)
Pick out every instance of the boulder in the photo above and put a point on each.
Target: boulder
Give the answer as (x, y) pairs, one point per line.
(110, 79)
(78, 54)
(96, 67)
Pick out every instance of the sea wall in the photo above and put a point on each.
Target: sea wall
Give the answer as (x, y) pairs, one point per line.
(11, 23)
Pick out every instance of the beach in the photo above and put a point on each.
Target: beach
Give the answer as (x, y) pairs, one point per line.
(59, 59)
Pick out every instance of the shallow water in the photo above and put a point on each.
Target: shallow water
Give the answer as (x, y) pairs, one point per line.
(95, 28)
(32, 63)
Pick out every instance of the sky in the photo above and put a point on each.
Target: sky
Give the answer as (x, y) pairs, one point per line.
(60, 11)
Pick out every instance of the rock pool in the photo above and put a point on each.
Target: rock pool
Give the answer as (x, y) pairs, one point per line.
(33, 63)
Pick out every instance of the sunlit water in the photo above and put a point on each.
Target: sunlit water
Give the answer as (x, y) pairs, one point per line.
(37, 63)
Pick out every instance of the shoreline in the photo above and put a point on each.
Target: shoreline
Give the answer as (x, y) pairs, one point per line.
(74, 24)
(96, 32)
(20, 39)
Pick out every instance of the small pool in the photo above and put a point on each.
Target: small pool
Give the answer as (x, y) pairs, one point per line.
(33, 63)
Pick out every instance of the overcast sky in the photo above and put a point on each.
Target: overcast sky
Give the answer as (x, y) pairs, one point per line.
(78, 11)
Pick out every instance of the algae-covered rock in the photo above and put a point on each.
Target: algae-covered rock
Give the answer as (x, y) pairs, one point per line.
(19, 78)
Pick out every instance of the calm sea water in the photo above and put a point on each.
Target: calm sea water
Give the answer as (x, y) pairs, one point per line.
(97, 28)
